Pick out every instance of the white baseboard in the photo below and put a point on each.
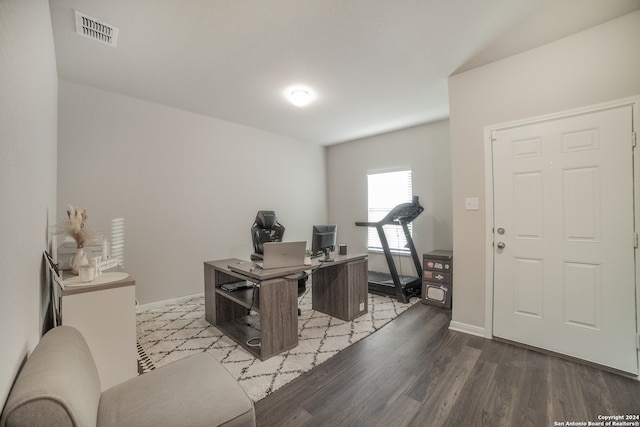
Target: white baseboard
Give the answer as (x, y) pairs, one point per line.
(467, 329)
(157, 304)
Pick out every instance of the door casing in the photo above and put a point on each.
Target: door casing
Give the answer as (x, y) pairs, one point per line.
(489, 212)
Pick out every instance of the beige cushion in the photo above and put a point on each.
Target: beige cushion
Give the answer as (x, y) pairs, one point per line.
(58, 386)
(194, 391)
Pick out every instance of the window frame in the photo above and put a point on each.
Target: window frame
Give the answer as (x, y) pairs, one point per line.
(394, 233)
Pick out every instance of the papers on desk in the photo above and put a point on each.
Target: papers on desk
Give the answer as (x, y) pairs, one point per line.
(237, 286)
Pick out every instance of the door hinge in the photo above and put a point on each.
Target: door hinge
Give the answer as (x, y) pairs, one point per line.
(493, 135)
(638, 342)
(634, 139)
(635, 240)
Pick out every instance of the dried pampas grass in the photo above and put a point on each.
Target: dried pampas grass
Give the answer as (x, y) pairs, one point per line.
(76, 227)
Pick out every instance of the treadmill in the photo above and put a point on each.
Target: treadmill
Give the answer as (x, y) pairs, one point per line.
(391, 284)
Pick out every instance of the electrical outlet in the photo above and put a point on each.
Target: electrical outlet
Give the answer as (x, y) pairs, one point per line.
(471, 204)
(361, 306)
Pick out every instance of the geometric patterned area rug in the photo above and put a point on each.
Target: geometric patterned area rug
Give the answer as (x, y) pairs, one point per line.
(174, 331)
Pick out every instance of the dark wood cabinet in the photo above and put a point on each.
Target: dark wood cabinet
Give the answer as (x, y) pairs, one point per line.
(437, 278)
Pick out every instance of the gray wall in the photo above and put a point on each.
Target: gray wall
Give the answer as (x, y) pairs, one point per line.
(28, 123)
(188, 186)
(425, 149)
(593, 66)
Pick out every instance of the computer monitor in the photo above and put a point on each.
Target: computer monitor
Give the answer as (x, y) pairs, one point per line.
(324, 240)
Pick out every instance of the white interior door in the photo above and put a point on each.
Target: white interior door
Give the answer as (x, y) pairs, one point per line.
(564, 237)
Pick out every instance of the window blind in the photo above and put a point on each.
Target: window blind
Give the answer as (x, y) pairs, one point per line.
(385, 191)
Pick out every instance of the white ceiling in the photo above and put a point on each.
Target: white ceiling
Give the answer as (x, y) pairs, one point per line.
(375, 65)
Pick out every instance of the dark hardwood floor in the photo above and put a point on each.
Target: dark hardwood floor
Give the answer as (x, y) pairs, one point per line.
(416, 372)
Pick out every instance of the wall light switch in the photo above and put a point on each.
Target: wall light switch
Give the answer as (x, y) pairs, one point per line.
(471, 204)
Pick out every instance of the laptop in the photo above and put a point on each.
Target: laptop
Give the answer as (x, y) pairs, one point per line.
(282, 254)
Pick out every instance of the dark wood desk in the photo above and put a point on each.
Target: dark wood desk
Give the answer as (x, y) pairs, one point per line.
(339, 288)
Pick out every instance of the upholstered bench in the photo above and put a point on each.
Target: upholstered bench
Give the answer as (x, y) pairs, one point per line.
(59, 386)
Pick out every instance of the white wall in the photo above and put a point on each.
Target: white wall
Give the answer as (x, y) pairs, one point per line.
(425, 149)
(593, 66)
(188, 186)
(28, 123)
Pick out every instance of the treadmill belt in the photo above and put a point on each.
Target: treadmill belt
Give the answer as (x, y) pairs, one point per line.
(386, 279)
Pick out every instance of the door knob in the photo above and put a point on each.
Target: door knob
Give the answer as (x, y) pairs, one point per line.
(501, 245)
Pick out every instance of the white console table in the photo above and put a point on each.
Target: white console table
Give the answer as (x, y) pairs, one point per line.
(105, 314)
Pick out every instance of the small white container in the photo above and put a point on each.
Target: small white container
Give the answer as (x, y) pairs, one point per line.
(87, 273)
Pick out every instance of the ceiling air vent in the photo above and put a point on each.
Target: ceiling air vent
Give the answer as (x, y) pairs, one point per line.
(96, 30)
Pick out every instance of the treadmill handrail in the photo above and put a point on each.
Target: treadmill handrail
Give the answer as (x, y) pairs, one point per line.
(402, 213)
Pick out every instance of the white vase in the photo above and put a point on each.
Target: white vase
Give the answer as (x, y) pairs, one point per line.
(80, 258)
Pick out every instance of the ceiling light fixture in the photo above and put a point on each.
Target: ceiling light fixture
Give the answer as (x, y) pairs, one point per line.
(299, 96)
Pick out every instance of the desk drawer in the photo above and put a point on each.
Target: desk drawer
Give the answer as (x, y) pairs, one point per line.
(436, 276)
(436, 294)
(436, 264)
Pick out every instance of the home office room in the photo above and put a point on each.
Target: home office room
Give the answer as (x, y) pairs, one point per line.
(174, 129)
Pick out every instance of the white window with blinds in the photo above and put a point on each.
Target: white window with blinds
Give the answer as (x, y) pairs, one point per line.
(385, 191)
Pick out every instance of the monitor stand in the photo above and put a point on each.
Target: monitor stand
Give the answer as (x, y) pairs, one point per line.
(327, 256)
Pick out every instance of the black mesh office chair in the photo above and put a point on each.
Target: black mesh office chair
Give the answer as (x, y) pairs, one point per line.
(265, 229)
